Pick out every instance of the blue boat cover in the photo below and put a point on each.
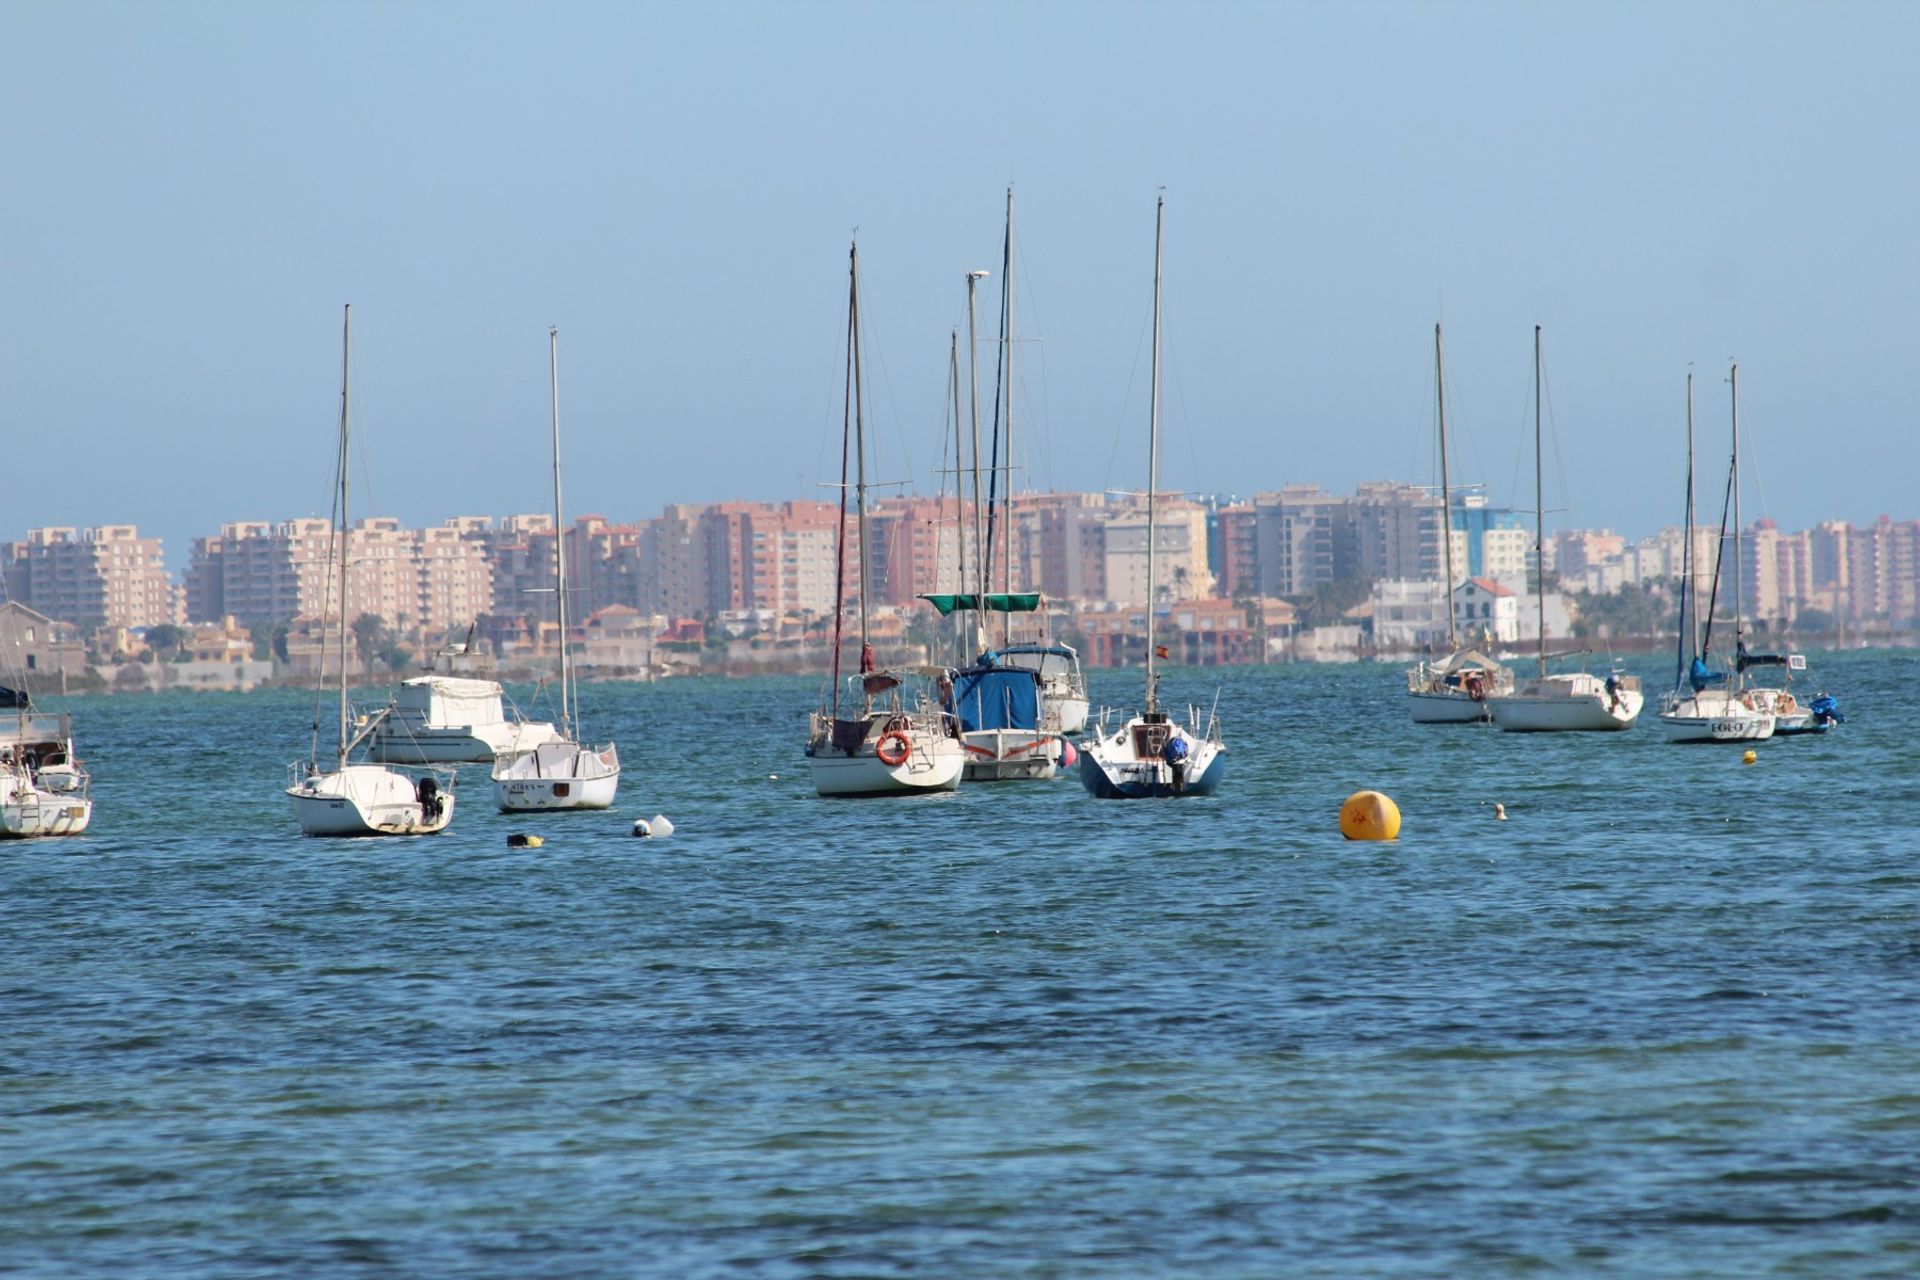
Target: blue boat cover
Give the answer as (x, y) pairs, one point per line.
(996, 698)
(1700, 677)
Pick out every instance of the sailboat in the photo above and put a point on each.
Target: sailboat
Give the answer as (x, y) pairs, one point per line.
(561, 773)
(43, 786)
(360, 799)
(878, 741)
(1703, 706)
(1561, 701)
(1455, 689)
(1007, 728)
(1150, 754)
(1791, 717)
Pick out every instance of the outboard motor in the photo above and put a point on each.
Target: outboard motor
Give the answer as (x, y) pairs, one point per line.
(1826, 710)
(428, 792)
(1175, 754)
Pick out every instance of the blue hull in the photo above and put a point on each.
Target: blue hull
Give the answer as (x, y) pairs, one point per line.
(1101, 787)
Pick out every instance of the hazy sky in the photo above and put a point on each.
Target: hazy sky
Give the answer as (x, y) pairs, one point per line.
(189, 192)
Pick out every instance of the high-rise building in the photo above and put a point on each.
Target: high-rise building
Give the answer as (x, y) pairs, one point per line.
(107, 576)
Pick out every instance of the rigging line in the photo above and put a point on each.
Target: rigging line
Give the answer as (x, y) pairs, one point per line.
(871, 343)
(1179, 394)
(1126, 400)
(999, 395)
(1031, 297)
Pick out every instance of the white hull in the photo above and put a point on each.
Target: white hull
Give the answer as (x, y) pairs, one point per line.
(367, 800)
(1070, 712)
(557, 775)
(43, 792)
(1130, 763)
(935, 763)
(1714, 717)
(463, 744)
(1566, 704)
(1008, 755)
(28, 812)
(1447, 708)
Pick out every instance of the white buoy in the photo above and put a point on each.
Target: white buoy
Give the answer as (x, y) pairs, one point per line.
(660, 826)
(641, 829)
(1500, 812)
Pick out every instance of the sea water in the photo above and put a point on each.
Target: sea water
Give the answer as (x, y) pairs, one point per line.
(1664, 1020)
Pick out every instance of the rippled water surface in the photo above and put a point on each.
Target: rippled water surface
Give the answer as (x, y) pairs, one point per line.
(1665, 1020)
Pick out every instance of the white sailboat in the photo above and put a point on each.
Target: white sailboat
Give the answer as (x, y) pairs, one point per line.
(43, 786)
(561, 773)
(1150, 754)
(1560, 701)
(1006, 726)
(1704, 705)
(360, 799)
(1455, 689)
(1791, 717)
(890, 736)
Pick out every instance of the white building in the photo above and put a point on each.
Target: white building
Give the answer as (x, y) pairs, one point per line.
(1485, 612)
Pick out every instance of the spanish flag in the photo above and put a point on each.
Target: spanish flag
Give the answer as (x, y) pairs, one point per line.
(1159, 651)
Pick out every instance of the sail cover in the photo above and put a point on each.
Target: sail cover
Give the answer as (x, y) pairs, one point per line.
(996, 698)
(989, 602)
(14, 699)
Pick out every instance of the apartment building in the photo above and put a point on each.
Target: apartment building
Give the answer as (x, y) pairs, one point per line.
(107, 576)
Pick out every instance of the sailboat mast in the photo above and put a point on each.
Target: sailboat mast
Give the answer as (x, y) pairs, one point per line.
(975, 625)
(1446, 486)
(346, 382)
(559, 537)
(1539, 512)
(959, 458)
(1692, 569)
(1733, 380)
(859, 439)
(1006, 515)
(1153, 442)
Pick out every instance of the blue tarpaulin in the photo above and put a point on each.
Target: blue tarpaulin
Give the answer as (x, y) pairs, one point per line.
(996, 698)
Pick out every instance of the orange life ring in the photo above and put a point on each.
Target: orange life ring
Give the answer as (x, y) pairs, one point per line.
(899, 756)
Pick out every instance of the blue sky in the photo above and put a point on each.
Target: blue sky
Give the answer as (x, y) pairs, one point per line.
(193, 190)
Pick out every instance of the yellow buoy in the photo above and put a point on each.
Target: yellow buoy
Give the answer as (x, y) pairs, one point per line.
(1750, 757)
(1369, 815)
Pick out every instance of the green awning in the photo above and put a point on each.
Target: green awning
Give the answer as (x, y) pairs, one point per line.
(992, 602)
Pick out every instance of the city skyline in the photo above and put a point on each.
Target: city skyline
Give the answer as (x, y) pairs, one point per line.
(1080, 549)
(197, 188)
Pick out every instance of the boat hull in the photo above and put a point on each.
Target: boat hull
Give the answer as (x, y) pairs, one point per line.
(30, 813)
(1447, 708)
(934, 764)
(367, 800)
(1523, 713)
(466, 744)
(1752, 727)
(556, 777)
(1010, 755)
(1130, 765)
(1071, 712)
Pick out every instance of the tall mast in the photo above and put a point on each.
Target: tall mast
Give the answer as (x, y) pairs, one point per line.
(1153, 443)
(1006, 513)
(1539, 512)
(346, 372)
(976, 625)
(559, 537)
(1446, 487)
(859, 437)
(1692, 569)
(1733, 379)
(959, 457)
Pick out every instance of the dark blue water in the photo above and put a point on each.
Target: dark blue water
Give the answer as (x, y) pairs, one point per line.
(1664, 1021)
